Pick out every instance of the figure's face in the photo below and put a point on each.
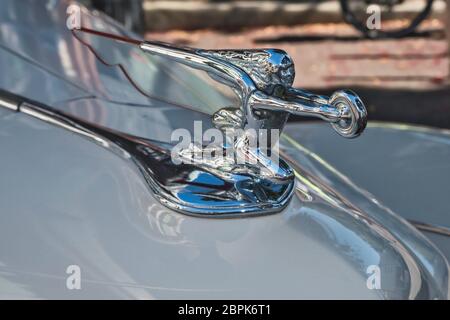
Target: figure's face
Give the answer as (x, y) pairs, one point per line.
(282, 68)
(286, 71)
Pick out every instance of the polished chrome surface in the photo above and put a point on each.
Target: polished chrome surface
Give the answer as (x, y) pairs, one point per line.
(269, 69)
(191, 189)
(6, 103)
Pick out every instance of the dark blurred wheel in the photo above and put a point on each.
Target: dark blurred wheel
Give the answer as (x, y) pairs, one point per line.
(393, 23)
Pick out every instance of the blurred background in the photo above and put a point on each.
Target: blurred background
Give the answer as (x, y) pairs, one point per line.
(398, 64)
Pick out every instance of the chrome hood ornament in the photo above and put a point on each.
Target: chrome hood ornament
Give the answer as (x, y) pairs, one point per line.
(254, 180)
(262, 79)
